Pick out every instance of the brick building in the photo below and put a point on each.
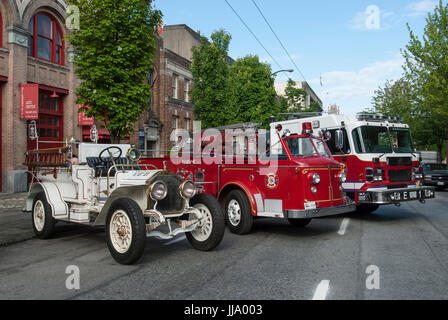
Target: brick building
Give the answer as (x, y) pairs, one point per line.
(33, 51)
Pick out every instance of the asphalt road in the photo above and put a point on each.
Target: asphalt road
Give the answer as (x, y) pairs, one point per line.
(395, 253)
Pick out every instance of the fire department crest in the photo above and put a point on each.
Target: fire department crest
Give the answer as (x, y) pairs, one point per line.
(272, 181)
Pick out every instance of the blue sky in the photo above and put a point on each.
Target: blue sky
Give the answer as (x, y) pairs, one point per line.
(324, 37)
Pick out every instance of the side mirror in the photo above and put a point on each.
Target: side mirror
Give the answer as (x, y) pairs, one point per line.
(339, 139)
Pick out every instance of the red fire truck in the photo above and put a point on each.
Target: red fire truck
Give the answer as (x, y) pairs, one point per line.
(300, 183)
(382, 165)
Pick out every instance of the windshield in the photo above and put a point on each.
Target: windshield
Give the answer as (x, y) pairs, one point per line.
(303, 147)
(370, 139)
(436, 166)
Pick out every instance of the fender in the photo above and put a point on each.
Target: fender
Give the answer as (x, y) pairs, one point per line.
(249, 189)
(136, 193)
(54, 197)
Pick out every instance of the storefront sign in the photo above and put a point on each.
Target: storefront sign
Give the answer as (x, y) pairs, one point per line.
(29, 106)
(84, 120)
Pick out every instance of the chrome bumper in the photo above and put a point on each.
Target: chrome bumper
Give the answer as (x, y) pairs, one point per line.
(396, 195)
(322, 212)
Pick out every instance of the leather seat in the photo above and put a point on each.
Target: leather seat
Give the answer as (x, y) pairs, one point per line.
(102, 167)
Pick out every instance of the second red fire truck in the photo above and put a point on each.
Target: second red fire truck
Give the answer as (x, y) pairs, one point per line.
(382, 165)
(299, 181)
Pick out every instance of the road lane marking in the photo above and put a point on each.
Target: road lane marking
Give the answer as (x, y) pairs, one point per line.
(322, 290)
(343, 227)
(175, 241)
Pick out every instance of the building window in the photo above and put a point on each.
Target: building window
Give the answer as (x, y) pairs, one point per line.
(186, 89)
(175, 80)
(50, 124)
(186, 123)
(46, 41)
(175, 123)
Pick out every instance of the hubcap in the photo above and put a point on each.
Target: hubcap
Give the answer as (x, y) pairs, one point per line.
(234, 212)
(120, 231)
(204, 227)
(39, 215)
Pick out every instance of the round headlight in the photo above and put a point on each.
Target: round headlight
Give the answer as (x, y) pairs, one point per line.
(188, 189)
(134, 154)
(158, 191)
(342, 177)
(316, 178)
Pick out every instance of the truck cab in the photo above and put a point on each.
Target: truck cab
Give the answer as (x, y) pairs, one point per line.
(382, 166)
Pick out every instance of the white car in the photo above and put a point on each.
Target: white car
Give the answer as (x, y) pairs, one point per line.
(107, 189)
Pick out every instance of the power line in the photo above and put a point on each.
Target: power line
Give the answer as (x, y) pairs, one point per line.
(281, 43)
(253, 34)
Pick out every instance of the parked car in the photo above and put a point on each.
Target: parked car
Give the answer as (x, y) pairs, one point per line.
(435, 174)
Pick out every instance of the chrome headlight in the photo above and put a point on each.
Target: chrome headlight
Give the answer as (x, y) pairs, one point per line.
(342, 177)
(188, 189)
(158, 191)
(316, 178)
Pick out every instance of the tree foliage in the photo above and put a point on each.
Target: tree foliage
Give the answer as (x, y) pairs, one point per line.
(227, 94)
(421, 97)
(211, 79)
(294, 99)
(114, 51)
(252, 93)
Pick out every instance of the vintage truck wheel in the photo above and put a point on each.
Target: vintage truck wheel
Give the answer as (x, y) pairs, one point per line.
(126, 231)
(300, 223)
(238, 213)
(42, 216)
(209, 233)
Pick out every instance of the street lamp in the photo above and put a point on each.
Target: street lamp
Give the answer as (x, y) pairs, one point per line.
(287, 70)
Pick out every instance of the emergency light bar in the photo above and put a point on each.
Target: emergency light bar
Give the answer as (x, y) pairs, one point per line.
(307, 128)
(377, 117)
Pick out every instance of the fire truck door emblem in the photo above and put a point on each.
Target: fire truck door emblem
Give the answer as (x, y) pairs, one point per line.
(272, 181)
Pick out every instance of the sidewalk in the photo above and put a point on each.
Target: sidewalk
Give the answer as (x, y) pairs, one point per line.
(15, 226)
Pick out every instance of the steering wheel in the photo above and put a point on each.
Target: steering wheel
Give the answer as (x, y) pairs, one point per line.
(111, 154)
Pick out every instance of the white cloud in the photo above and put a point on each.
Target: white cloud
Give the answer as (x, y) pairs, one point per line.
(353, 90)
(420, 8)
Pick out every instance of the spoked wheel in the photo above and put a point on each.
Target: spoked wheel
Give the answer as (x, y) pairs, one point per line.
(238, 213)
(43, 221)
(210, 230)
(126, 231)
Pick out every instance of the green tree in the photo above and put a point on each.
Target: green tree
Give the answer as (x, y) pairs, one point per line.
(426, 70)
(211, 79)
(252, 93)
(294, 98)
(114, 50)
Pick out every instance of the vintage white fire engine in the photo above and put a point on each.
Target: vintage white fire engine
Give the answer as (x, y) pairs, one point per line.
(382, 166)
(132, 201)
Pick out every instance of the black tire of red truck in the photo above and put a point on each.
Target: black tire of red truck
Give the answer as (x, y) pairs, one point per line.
(238, 213)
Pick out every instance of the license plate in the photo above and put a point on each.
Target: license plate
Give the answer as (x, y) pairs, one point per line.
(440, 183)
(310, 206)
(413, 194)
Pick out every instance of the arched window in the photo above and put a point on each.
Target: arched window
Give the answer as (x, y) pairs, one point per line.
(46, 40)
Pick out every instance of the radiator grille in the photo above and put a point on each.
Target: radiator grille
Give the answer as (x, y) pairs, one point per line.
(399, 162)
(173, 203)
(400, 175)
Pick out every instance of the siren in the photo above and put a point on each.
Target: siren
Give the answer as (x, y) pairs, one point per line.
(307, 128)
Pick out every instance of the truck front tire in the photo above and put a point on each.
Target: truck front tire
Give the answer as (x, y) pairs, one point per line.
(238, 213)
(210, 232)
(42, 217)
(126, 231)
